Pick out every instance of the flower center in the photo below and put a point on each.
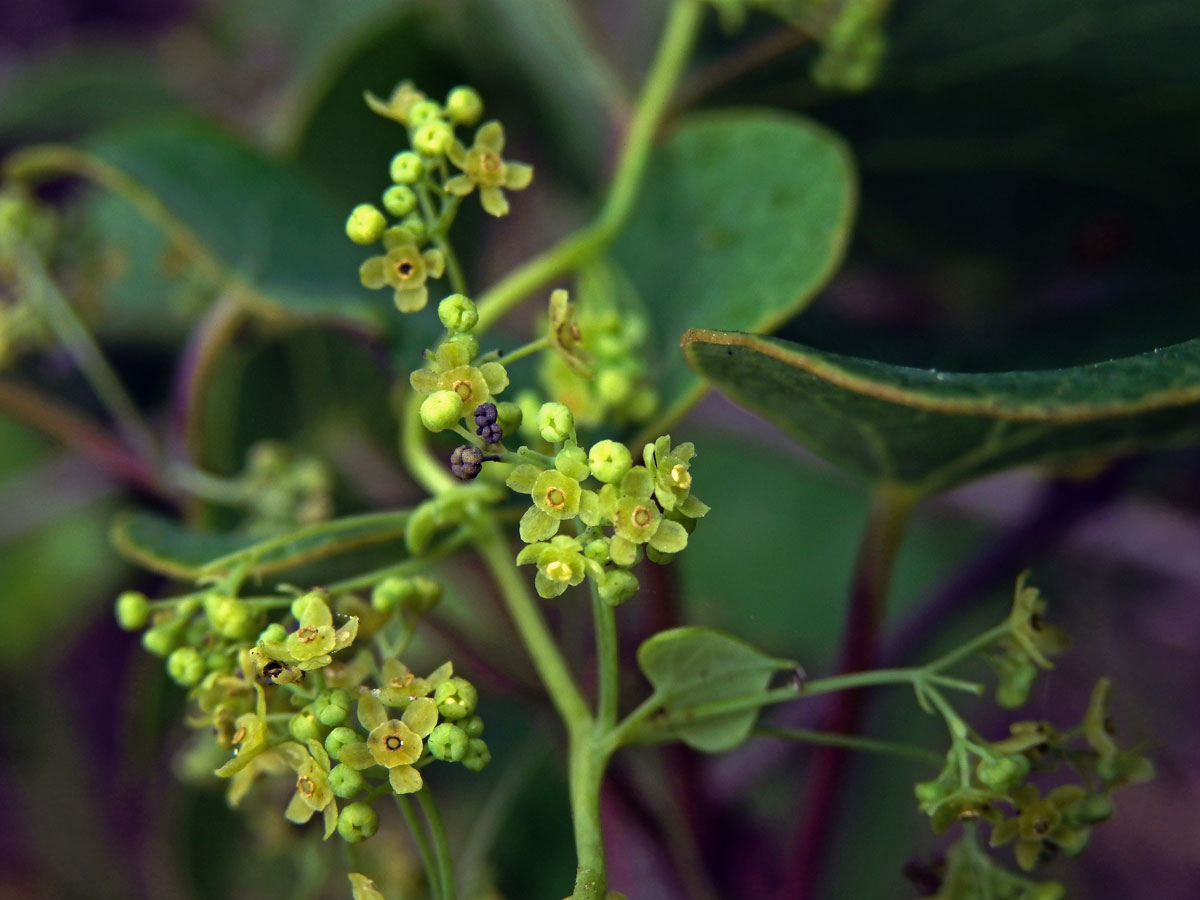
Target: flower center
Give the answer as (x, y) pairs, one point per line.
(681, 476)
(463, 389)
(489, 162)
(306, 786)
(394, 742)
(558, 571)
(405, 269)
(1041, 826)
(307, 634)
(641, 517)
(555, 498)
(239, 735)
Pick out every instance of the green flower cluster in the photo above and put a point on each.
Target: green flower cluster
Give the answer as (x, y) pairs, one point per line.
(636, 509)
(456, 381)
(1027, 648)
(424, 197)
(989, 781)
(284, 489)
(600, 368)
(289, 699)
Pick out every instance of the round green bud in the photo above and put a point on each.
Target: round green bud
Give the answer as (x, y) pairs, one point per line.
(344, 781)
(457, 350)
(332, 707)
(572, 462)
(427, 593)
(597, 550)
(448, 742)
(186, 666)
(132, 610)
(458, 313)
(472, 725)
(613, 386)
(357, 822)
(456, 699)
(423, 111)
(406, 168)
(509, 416)
(478, 755)
(218, 662)
(619, 586)
(229, 616)
(273, 633)
(555, 422)
(441, 410)
(464, 106)
(338, 738)
(417, 226)
(432, 138)
(399, 200)
(929, 792)
(1094, 809)
(365, 225)
(1004, 774)
(391, 593)
(161, 639)
(304, 727)
(609, 461)
(300, 604)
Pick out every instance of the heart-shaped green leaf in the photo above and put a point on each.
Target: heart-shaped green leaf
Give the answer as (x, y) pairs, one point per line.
(928, 430)
(250, 221)
(693, 667)
(742, 219)
(168, 547)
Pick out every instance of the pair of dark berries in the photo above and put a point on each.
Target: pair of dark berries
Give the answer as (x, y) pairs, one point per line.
(466, 461)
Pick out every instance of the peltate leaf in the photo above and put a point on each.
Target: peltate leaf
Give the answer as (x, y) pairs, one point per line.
(742, 219)
(692, 667)
(166, 546)
(928, 430)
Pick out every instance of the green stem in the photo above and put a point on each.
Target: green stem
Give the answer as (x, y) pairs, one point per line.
(206, 486)
(441, 847)
(675, 47)
(532, 347)
(457, 539)
(851, 742)
(79, 343)
(607, 661)
(973, 646)
(547, 659)
(876, 677)
(586, 761)
(423, 848)
(437, 231)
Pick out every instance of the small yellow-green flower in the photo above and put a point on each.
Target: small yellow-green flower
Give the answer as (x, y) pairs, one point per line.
(484, 168)
(673, 477)
(404, 268)
(310, 646)
(561, 564)
(1030, 632)
(1042, 821)
(473, 384)
(636, 519)
(396, 107)
(312, 794)
(556, 497)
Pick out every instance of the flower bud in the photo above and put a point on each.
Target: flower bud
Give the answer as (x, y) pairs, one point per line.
(338, 738)
(186, 666)
(428, 593)
(344, 781)
(619, 586)
(357, 822)
(456, 699)
(1004, 774)
(423, 111)
(365, 225)
(472, 725)
(332, 707)
(273, 633)
(572, 462)
(609, 461)
(432, 138)
(448, 742)
(457, 350)
(597, 551)
(416, 227)
(303, 727)
(392, 593)
(555, 422)
(399, 200)
(441, 410)
(478, 755)
(161, 639)
(458, 313)
(230, 617)
(406, 168)
(508, 417)
(132, 610)
(464, 106)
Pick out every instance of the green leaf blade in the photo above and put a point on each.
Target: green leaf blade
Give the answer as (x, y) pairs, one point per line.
(742, 219)
(929, 430)
(690, 667)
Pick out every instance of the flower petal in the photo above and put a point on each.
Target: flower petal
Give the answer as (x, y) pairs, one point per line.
(421, 716)
(537, 526)
(411, 299)
(548, 588)
(435, 263)
(670, 537)
(371, 712)
(356, 755)
(517, 175)
(405, 779)
(522, 478)
(495, 376)
(459, 185)
(493, 200)
(490, 136)
(371, 273)
(457, 154)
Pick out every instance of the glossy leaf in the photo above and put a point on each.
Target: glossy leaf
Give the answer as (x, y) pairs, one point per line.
(929, 430)
(253, 223)
(168, 547)
(742, 219)
(691, 667)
